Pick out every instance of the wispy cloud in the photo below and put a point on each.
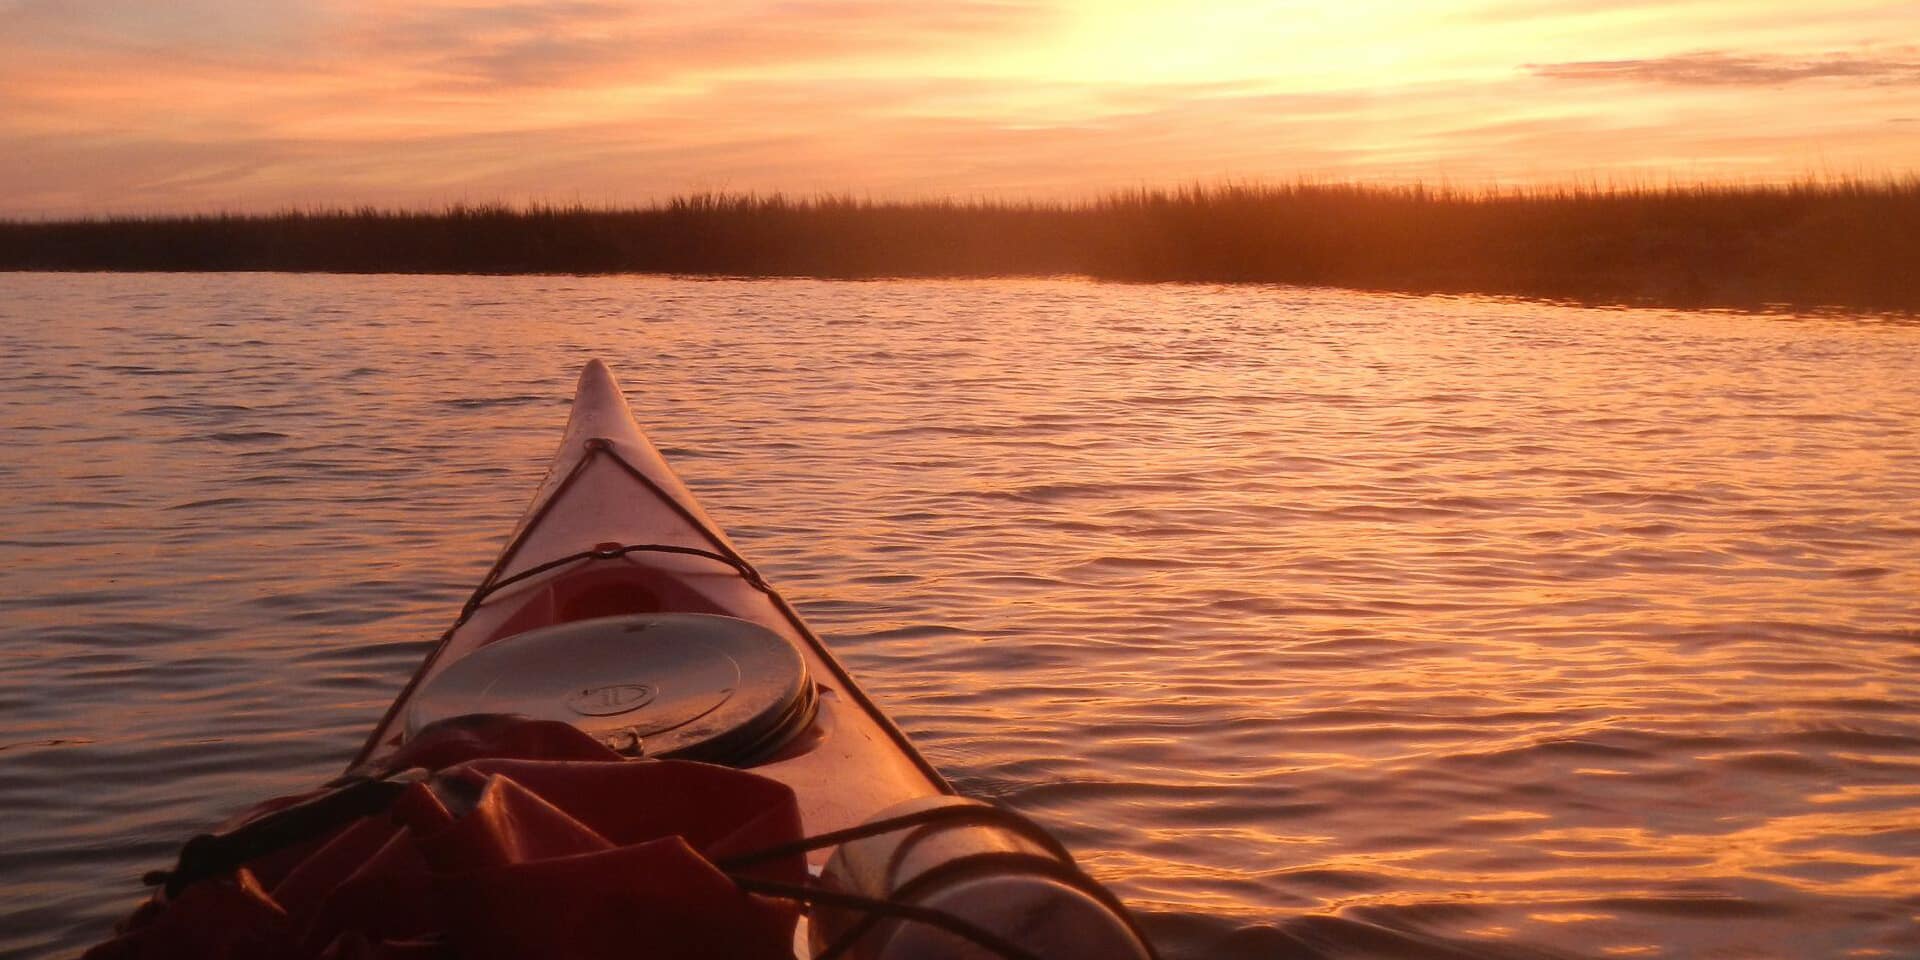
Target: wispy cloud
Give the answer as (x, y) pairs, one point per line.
(1714, 68)
(524, 44)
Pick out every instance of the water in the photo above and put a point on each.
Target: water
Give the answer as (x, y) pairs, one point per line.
(1320, 623)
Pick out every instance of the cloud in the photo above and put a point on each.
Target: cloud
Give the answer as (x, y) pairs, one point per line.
(519, 44)
(480, 46)
(1712, 68)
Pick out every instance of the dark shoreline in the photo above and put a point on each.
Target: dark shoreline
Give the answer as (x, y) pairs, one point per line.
(1851, 244)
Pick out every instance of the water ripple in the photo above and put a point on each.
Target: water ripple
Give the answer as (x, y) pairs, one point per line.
(1321, 624)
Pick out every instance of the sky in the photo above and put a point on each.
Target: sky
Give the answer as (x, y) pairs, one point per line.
(137, 106)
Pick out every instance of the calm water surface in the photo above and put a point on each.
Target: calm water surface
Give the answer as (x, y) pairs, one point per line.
(1322, 624)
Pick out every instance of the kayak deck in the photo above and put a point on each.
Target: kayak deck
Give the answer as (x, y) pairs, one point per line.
(612, 531)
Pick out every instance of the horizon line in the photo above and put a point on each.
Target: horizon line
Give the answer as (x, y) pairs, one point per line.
(1441, 190)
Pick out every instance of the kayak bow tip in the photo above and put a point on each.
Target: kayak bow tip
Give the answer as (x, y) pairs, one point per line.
(596, 375)
(598, 403)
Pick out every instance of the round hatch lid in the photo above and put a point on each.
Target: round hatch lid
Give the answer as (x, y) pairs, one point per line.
(689, 685)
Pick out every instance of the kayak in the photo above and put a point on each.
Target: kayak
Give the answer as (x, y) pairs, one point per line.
(612, 531)
(619, 613)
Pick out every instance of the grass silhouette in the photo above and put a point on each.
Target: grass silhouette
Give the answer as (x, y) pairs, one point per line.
(1851, 243)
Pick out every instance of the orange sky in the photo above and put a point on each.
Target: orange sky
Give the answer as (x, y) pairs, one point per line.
(140, 105)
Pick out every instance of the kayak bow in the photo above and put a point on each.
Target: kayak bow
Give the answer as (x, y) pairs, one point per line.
(619, 607)
(612, 531)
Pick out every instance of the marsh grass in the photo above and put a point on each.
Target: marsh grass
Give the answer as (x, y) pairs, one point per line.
(1851, 243)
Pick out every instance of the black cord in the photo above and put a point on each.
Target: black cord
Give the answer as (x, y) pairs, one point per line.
(975, 812)
(905, 911)
(1059, 866)
(609, 553)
